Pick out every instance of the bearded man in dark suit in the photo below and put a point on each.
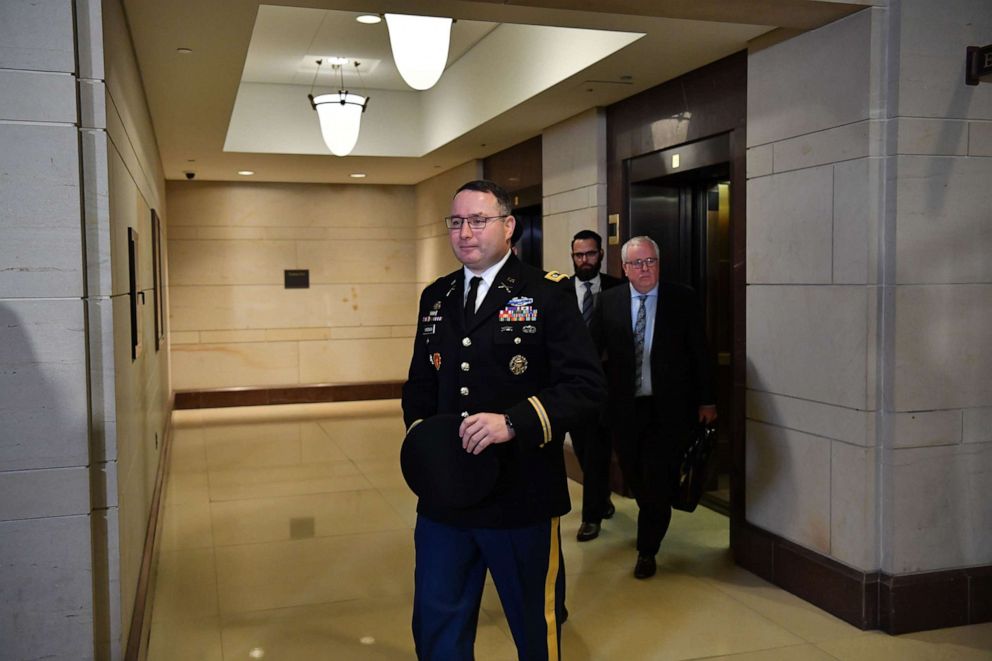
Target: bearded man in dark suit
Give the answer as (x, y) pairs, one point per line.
(660, 385)
(590, 439)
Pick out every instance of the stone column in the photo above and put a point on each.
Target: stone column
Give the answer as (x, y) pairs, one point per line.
(574, 184)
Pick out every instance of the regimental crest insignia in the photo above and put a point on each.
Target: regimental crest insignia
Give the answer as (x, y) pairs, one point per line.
(436, 361)
(518, 365)
(437, 305)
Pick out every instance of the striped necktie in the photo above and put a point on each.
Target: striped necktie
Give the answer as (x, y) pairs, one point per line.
(639, 327)
(587, 304)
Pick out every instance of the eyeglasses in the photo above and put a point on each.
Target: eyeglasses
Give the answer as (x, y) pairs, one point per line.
(474, 222)
(587, 255)
(648, 262)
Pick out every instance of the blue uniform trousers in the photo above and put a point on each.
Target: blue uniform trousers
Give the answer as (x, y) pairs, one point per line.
(450, 574)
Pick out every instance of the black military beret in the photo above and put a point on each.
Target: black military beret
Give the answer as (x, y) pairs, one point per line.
(439, 470)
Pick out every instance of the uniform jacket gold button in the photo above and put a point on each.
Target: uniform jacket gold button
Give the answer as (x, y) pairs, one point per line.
(464, 414)
(466, 341)
(464, 390)
(516, 340)
(466, 367)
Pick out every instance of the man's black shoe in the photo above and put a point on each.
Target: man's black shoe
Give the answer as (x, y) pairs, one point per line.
(610, 510)
(587, 531)
(645, 567)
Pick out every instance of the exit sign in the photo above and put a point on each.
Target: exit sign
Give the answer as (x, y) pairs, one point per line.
(978, 65)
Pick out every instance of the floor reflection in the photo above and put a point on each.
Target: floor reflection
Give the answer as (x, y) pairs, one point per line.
(287, 534)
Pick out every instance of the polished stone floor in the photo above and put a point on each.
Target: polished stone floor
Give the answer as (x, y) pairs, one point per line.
(287, 535)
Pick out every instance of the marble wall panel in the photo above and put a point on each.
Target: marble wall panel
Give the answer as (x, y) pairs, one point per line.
(142, 169)
(35, 96)
(265, 307)
(942, 353)
(46, 587)
(977, 425)
(559, 230)
(41, 233)
(788, 484)
(89, 39)
(980, 138)
(43, 378)
(760, 161)
(784, 100)
(842, 143)
(227, 337)
(122, 204)
(355, 361)
(853, 508)
(921, 428)
(925, 485)
(233, 262)
(932, 38)
(35, 494)
(197, 366)
(855, 221)
(204, 204)
(106, 571)
(852, 426)
(932, 137)
(37, 36)
(573, 153)
(358, 332)
(809, 343)
(340, 261)
(943, 233)
(96, 213)
(790, 227)
(579, 198)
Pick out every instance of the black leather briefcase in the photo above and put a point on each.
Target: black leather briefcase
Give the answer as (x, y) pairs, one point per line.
(693, 468)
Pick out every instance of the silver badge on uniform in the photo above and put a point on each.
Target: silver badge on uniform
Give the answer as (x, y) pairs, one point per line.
(518, 365)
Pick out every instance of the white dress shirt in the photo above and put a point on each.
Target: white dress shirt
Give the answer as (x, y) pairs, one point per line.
(487, 280)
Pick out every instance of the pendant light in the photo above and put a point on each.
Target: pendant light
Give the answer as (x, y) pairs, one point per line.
(420, 47)
(339, 114)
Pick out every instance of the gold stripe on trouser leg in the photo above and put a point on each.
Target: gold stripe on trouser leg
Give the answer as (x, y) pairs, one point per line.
(550, 616)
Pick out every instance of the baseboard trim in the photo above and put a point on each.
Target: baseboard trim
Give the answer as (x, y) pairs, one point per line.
(306, 394)
(867, 600)
(140, 627)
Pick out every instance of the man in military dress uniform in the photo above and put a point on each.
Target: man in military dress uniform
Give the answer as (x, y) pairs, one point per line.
(499, 343)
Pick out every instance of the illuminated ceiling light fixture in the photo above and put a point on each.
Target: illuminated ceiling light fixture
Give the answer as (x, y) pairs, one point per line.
(420, 47)
(339, 113)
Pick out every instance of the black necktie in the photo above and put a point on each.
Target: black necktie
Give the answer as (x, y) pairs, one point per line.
(473, 289)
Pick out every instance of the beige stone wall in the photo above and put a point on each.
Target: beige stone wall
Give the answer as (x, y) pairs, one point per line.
(136, 400)
(232, 321)
(869, 303)
(574, 184)
(434, 256)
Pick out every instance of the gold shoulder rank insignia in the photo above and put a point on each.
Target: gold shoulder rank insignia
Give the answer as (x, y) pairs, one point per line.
(555, 276)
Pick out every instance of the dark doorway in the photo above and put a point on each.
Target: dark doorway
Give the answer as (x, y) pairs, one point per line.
(528, 238)
(680, 197)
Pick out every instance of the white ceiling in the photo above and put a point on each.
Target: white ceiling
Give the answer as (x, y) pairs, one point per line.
(510, 74)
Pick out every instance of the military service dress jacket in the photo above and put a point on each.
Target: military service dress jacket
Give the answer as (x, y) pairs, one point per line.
(527, 355)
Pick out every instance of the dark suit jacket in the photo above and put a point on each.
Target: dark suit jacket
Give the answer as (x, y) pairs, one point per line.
(681, 372)
(526, 354)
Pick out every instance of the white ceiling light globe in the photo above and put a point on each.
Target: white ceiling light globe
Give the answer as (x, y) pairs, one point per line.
(340, 116)
(420, 47)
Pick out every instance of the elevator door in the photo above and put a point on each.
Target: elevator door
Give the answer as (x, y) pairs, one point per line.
(688, 215)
